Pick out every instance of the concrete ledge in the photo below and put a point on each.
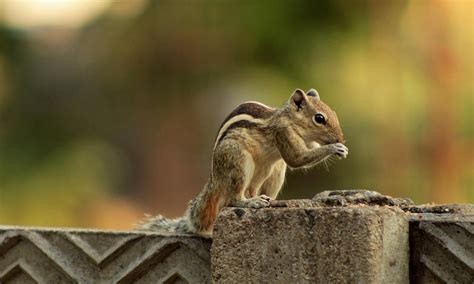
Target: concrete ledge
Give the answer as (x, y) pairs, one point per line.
(38, 255)
(348, 236)
(356, 244)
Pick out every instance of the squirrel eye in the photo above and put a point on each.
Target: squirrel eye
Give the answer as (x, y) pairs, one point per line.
(319, 118)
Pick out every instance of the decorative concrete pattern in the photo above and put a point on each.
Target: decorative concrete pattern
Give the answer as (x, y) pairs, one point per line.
(29, 255)
(442, 247)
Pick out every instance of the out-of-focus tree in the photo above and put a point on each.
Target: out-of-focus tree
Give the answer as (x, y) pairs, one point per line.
(102, 123)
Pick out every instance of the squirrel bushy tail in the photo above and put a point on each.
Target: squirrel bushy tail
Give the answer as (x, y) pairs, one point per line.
(161, 224)
(197, 220)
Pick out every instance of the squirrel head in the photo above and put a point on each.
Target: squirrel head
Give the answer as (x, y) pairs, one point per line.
(313, 119)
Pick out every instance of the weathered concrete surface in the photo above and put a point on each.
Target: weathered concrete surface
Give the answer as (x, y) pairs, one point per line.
(442, 244)
(358, 196)
(355, 244)
(343, 198)
(38, 255)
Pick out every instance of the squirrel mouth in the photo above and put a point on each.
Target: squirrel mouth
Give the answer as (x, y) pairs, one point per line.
(325, 142)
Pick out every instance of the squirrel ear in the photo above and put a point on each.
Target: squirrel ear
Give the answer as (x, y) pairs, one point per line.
(299, 99)
(313, 93)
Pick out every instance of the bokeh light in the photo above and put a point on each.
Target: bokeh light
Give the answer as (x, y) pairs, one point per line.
(108, 109)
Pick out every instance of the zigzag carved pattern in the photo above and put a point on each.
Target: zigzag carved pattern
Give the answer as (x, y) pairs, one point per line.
(101, 259)
(18, 272)
(443, 252)
(19, 253)
(42, 256)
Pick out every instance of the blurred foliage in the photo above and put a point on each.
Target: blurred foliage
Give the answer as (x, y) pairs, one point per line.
(103, 123)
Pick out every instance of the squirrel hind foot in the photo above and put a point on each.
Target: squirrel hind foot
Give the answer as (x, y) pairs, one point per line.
(260, 201)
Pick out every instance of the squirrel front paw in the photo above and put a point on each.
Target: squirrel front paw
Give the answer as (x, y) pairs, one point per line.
(339, 149)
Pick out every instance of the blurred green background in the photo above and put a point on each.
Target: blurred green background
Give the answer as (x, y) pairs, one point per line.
(108, 109)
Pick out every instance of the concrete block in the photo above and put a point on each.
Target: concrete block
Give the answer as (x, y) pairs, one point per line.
(442, 244)
(352, 244)
(38, 255)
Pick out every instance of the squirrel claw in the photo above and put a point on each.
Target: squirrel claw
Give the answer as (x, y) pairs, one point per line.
(263, 196)
(340, 150)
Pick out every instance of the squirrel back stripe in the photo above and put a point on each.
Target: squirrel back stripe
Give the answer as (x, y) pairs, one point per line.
(241, 120)
(252, 112)
(254, 109)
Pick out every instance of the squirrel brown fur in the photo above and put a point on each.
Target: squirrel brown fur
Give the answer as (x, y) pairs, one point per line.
(253, 147)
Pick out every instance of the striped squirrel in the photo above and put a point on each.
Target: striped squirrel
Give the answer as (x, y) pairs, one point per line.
(253, 147)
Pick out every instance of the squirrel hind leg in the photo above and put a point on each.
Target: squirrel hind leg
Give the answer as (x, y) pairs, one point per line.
(273, 184)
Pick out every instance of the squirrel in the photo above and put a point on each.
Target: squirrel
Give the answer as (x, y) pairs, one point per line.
(254, 146)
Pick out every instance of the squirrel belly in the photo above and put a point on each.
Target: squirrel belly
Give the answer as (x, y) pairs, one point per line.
(253, 147)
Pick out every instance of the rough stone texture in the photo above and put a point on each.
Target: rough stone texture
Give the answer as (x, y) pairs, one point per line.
(355, 244)
(358, 196)
(442, 244)
(332, 198)
(34, 255)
